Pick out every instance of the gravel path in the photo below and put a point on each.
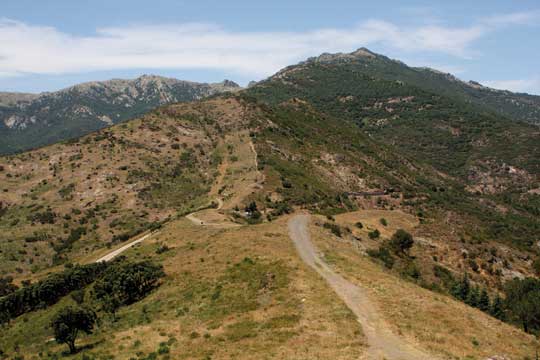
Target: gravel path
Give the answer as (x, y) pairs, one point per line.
(382, 343)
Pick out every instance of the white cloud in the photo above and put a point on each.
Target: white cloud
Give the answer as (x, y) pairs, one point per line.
(45, 50)
(517, 18)
(531, 86)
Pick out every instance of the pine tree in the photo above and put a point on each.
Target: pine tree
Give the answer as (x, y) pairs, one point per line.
(461, 289)
(496, 309)
(472, 297)
(483, 301)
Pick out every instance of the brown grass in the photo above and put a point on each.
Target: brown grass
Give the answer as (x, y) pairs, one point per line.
(436, 321)
(299, 319)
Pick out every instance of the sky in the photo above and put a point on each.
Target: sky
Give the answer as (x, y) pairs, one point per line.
(49, 45)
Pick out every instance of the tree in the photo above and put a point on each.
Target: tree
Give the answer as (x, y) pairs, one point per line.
(523, 302)
(461, 289)
(69, 321)
(497, 308)
(483, 301)
(251, 208)
(125, 283)
(49, 290)
(110, 304)
(7, 286)
(473, 297)
(253, 211)
(78, 296)
(401, 241)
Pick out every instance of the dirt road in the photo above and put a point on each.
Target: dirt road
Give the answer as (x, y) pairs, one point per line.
(120, 250)
(383, 344)
(195, 220)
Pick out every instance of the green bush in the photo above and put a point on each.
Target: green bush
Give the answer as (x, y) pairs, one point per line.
(384, 255)
(401, 242)
(334, 228)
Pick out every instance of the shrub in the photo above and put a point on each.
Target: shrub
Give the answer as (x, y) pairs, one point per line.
(334, 228)
(383, 222)
(162, 248)
(401, 242)
(384, 255)
(375, 234)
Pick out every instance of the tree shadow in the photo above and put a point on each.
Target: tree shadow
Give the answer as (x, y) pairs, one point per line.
(82, 348)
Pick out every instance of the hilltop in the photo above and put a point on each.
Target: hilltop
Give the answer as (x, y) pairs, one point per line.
(516, 106)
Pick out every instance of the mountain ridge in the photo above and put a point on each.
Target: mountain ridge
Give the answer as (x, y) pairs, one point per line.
(518, 106)
(32, 120)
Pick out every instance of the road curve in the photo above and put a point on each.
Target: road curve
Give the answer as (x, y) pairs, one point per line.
(382, 343)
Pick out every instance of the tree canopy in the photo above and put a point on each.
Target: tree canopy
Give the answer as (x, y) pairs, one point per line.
(69, 321)
(401, 241)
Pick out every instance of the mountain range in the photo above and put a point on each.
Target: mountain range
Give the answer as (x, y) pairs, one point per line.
(348, 206)
(32, 120)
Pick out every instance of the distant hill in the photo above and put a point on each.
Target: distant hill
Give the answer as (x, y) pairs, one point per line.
(32, 120)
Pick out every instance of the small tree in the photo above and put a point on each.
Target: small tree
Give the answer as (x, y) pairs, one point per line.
(483, 301)
(497, 308)
(461, 289)
(69, 321)
(401, 241)
(253, 211)
(472, 297)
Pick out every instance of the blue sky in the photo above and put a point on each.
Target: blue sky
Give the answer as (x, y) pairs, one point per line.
(48, 45)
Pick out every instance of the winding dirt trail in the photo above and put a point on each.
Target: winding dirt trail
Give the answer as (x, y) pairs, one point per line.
(240, 194)
(195, 220)
(383, 344)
